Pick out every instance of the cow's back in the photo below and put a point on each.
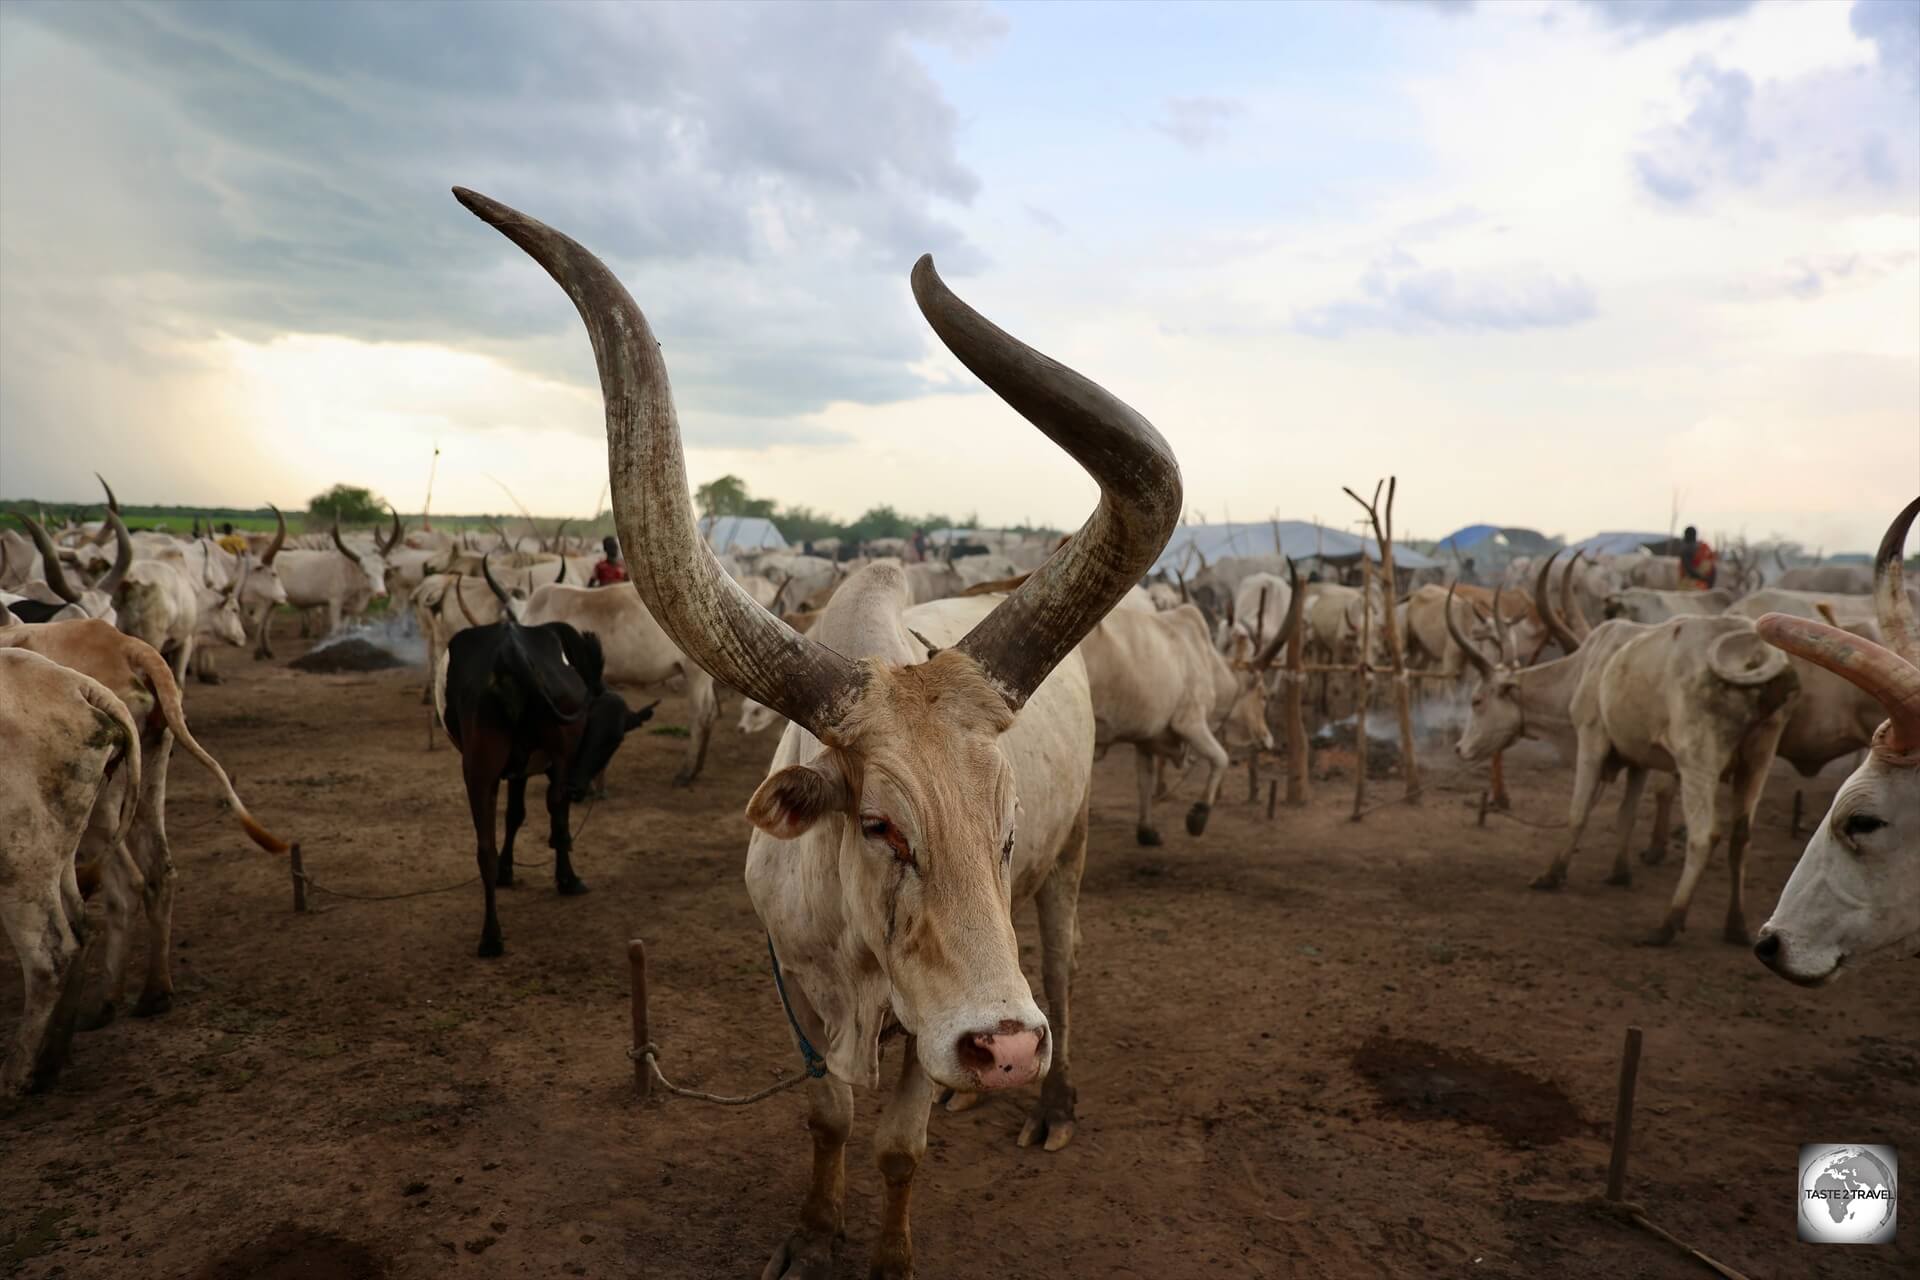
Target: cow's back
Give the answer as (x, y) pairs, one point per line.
(638, 650)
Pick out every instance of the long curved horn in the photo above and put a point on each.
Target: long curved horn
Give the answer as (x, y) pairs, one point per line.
(1507, 654)
(113, 503)
(460, 580)
(1260, 619)
(1477, 658)
(560, 539)
(399, 531)
(1898, 626)
(1265, 658)
(486, 571)
(51, 570)
(123, 558)
(705, 611)
(1141, 496)
(1890, 679)
(1575, 620)
(340, 544)
(279, 536)
(1544, 606)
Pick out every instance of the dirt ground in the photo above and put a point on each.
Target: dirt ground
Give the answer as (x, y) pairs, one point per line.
(1304, 1048)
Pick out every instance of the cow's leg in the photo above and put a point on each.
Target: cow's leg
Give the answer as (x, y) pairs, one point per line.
(48, 942)
(181, 660)
(120, 887)
(204, 669)
(559, 838)
(306, 622)
(263, 636)
(1623, 825)
(1497, 783)
(481, 769)
(1143, 765)
(1697, 787)
(154, 857)
(1656, 852)
(899, 1143)
(1193, 731)
(704, 707)
(516, 814)
(1591, 757)
(333, 618)
(433, 665)
(807, 1254)
(1749, 780)
(1058, 905)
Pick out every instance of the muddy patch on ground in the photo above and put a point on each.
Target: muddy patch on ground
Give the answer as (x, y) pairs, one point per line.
(295, 1253)
(347, 655)
(1422, 1081)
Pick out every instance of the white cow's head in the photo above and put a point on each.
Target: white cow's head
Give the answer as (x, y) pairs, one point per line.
(372, 581)
(220, 605)
(87, 599)
(1856, 889)
(904, 793)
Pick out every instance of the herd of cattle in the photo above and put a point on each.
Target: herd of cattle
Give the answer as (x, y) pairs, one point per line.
(942, 720)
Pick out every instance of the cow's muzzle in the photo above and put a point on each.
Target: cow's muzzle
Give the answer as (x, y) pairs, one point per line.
(1007, 1057)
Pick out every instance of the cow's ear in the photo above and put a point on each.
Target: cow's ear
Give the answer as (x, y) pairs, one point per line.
(789, 802)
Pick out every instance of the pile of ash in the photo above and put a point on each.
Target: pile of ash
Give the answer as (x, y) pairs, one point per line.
(350, 655)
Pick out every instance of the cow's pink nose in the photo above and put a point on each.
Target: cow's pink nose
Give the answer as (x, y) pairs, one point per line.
(1003, 1059)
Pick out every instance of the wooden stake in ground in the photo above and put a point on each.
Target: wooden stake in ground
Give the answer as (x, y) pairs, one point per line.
(1296, 681)
(1402, 688)
(1623, 1115)
(637, 962)
(297, 865)
(1364, 677)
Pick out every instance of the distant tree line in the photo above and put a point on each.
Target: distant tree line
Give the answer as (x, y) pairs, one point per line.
(729, 496)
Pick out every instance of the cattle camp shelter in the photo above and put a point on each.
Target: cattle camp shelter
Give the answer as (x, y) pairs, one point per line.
(741, 533)
(1307, 544)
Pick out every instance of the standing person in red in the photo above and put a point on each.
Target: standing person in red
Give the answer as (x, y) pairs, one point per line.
(612, 569)
(1697, 567)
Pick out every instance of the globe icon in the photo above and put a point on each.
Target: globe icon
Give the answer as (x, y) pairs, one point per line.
(1848, 1194)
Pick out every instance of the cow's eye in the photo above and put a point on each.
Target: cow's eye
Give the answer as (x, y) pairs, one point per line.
(1861, 824)
(1006, 850)
(875, 827)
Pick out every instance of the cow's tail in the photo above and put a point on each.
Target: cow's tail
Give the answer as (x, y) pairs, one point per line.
(102, 699)
(167, 694)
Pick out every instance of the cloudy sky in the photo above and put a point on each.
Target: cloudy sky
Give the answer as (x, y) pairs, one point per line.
(1551, 263)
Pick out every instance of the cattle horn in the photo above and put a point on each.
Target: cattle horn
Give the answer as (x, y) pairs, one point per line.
(279, 536)
(1265, 657)
(1575, 620)
(113, 503)
(560, 539)
(713, 618)
(1898, 626)
(486, 571)
(1507, 653)
(1467, 647)
(1566, 638)
(341, 544)
(1260, 619)
(196, 528)
(1890, 679)
(123, 555)
(55, 576)
(459, 581)
(399, 531)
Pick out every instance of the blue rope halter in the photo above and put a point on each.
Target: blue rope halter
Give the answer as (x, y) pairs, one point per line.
(816, 1065)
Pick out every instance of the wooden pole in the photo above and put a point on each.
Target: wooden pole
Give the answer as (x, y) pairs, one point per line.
(297, 866)
(1273, 797)
(637, 962)
(1296, 679)
(1364, 678)
(1396, 660)
(1497, 782)
(1623, 1115)
(1793, 830)
(1253, 774)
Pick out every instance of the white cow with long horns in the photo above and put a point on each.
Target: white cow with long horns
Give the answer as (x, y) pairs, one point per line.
(938, 763)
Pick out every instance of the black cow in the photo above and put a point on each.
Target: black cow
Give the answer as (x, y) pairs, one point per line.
(520, 700)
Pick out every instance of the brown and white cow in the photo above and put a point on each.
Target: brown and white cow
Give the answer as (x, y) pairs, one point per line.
(938, 763)
(1856, 890)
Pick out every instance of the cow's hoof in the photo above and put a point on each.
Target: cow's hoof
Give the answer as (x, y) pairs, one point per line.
(571, 888)
(1547, 881)
(209, 677)
(1197, 818)
(804, 1255)
(153, 1003)
(682, 779)
(1050, 1126)
(95, 1018)
(891, 1260)
(1623, 878)
(1661, 937)
(503, 879)
(1147, 836)
(1653, 855)
(1736, 933)
(957, 1102)
(491, 947)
